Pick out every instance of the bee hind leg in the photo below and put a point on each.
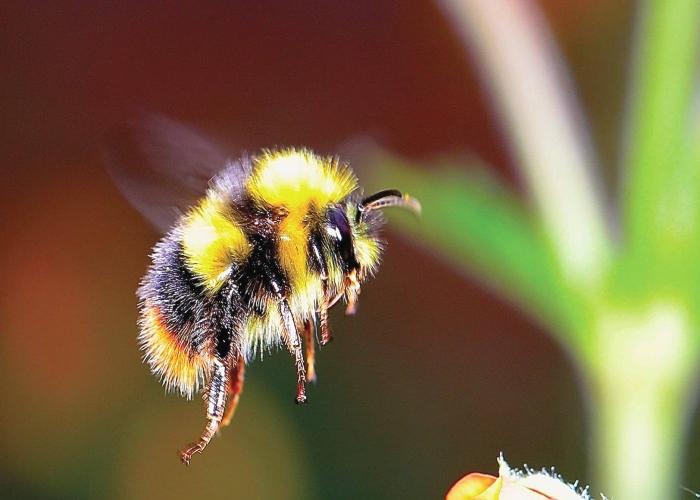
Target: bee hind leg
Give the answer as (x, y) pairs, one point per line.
(235, 389)
(216, 403)
(310, 351)
(326, 336)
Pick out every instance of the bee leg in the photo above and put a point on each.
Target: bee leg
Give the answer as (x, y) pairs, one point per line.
(235, 389)
(320, 264)
(216, 402)
(310, 351)
(294, 346)
(326, 336)
(352, 290)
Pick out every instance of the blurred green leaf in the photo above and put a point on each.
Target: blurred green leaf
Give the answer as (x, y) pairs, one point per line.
(473, 221)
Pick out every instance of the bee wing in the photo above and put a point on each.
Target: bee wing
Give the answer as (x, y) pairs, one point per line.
(163, 167)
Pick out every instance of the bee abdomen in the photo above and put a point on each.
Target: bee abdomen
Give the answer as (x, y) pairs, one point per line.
(180, 367)
(175, 334)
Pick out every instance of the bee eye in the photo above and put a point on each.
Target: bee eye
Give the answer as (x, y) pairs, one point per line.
(339, 230)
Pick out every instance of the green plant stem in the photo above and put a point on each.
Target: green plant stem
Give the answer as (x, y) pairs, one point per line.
(637, 441)
(660, 114)
(527, 79)
(642, 377)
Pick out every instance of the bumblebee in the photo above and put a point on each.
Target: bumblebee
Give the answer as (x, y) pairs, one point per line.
(266, 245)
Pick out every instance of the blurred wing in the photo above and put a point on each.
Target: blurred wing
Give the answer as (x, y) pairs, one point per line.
(163, 167)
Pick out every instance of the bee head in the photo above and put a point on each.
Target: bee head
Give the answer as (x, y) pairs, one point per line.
(353, 229)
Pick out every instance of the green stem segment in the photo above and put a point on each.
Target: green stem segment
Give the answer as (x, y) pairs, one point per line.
(659, 116)
(527, 78)
(643, 367)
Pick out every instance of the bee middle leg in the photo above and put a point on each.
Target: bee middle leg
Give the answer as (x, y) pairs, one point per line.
(294, 345)
(216, 403)
(235, 389)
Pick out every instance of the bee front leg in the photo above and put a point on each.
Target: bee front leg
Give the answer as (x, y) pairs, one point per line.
(294, 345)
(322, 268)
(216, 403)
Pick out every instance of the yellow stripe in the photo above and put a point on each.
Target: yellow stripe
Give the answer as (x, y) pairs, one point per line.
(212, 242)
(292, 247)
(299, 184)
(295, 179)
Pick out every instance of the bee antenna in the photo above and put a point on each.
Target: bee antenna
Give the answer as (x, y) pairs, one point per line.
(387, 198)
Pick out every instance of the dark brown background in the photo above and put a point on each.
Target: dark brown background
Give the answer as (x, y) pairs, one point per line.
(432, 379)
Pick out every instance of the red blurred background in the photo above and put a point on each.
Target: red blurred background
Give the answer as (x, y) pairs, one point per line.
(433, 378)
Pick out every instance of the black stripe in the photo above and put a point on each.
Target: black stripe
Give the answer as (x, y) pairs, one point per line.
(172, 287)
(261, 273)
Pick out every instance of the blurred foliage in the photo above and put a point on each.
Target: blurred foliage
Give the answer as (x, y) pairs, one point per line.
(480, 227)
(623, 305)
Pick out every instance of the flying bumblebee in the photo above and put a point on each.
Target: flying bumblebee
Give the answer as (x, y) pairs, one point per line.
(265, 246)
